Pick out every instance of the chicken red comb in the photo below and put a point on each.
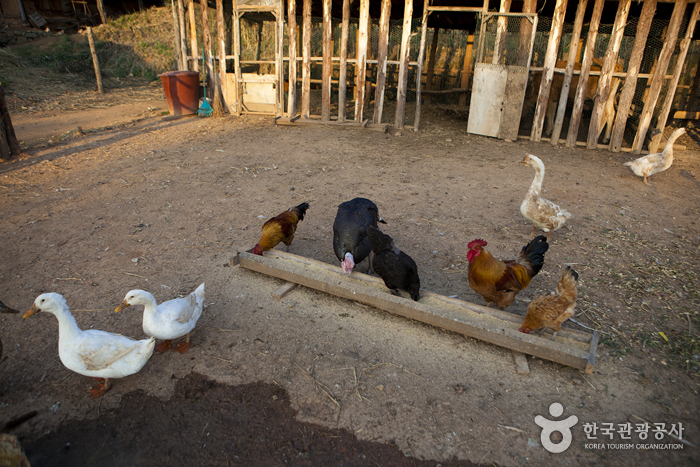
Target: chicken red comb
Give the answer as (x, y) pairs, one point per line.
(477, 242)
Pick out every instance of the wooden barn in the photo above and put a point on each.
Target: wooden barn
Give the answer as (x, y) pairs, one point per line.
(590, 73)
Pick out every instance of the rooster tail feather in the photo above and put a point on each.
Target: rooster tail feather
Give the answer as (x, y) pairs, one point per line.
(300, 210)
(566, 287)
(534, 252)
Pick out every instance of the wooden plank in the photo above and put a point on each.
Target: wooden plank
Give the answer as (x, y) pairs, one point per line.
(658, 80)
(177, 34)
(628, 89)
(583, 77)
(501, 29)
(431, 64)
(685, 115)
(334, 281)
(292, 28)
(569, 71)
(221, 41)
(306, 64)
(521, 365)
(237, 53)
(343, 76)
(403, 66)
(206, 42)
(347, 124)
(327, 53)
(604, 82)
(183, 34)
(673, 84)
(362, 42)
(524, 44)
(421, 60)
(193, 35)
(467, 69)
(550, 61)
(381, 60)
(284, 290)
(279, 66)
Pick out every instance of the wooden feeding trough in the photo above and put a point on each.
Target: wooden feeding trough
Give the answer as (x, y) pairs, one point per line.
(572, 348)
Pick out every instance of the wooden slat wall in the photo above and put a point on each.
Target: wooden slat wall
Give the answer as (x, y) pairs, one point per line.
(306, 63)
(403, 65)
(292, 27)
(658, 79)
(381, 60)
(568, 74)
(548, 72)
(630, 85)
(362, 42)
(421, 59)
(672, 86)
(327, 68)
(343, 76)
(583, 77)
(609, 62)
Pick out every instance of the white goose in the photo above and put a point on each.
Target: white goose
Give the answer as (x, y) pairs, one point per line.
(540, 211)
(169, 320)
(654, 163)
(98, 354)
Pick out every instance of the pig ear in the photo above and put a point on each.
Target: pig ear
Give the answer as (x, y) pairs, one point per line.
(477, 242)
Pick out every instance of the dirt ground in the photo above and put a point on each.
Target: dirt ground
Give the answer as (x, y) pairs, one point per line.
(317, 380)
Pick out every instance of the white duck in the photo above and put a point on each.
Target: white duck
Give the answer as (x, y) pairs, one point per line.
(541, 212)
(169, 320)
(98, 354)
(654, 163)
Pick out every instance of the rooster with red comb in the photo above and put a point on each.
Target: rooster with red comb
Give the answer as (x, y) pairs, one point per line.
(500, 281)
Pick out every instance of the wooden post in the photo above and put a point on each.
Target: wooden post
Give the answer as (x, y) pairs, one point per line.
(524, 45)
(501, 30)
(237, 57)
(583, 77)
(95, 62)
(657, 80)
(548, 71)
(606, 71)
(431, 65)
(176, 32)
(568, 74)
(221, 40)
(671, 89)
(193, 36)
(183, 35)
(7, 125)
(421, 60)
(403, 64)
(101, 9)
(381, 60)
(362, 42)
(640, 40)
(292, 28)
(466, 70)
(343, 77)
(327, 67)
(306, 63)
(279, 57)
(206, 40)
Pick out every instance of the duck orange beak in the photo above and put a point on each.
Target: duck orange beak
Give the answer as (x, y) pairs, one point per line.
(31, 311)
(122, 306)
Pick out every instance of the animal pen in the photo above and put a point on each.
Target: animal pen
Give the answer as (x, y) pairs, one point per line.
(589, 73)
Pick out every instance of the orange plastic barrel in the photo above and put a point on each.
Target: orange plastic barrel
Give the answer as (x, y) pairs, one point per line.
(181, 91)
